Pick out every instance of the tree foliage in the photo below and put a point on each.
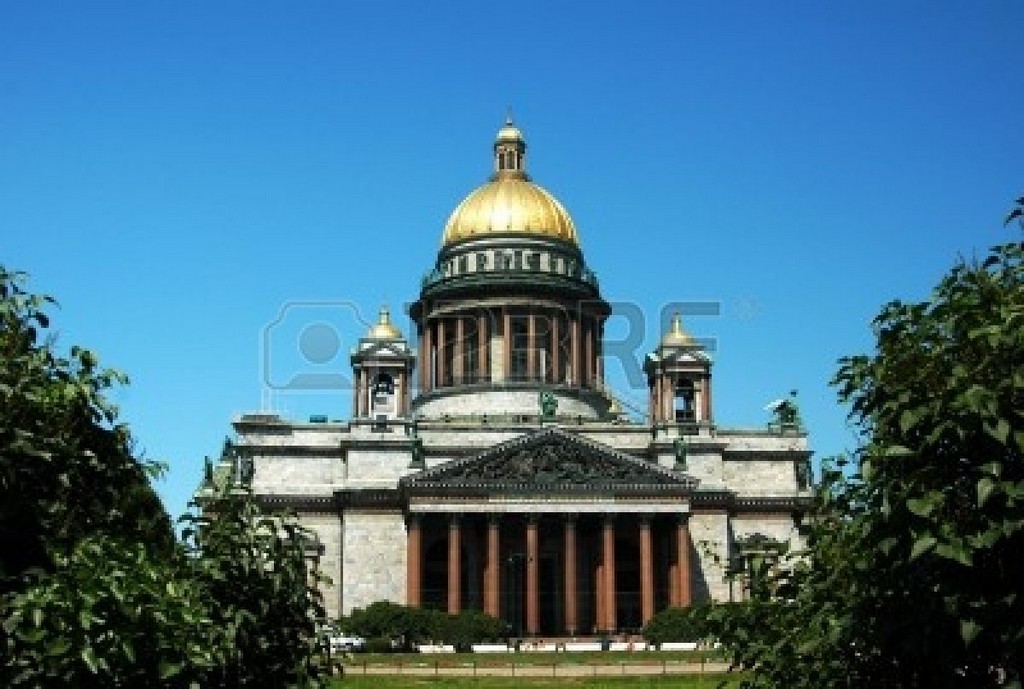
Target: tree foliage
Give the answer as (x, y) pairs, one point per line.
(67, 468)
(406, 625)
(912, 575)
(256, 576)
(678, 625)
(95, 591)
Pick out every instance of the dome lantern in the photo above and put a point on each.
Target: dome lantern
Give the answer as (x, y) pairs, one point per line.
(510, 151)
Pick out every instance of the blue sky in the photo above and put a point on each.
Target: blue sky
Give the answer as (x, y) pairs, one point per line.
(178, 174)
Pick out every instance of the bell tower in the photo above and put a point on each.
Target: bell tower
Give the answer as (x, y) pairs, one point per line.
(679, 379)
(382, 365)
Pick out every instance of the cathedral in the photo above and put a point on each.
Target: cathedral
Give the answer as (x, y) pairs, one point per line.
(486, 465)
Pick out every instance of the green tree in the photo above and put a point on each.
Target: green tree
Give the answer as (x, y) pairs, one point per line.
(678, 624)
(257, 576)
(913, 571)
(67, 467)
(109, 614)
(94, 589)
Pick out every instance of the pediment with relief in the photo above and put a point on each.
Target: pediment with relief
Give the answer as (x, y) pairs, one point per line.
(551, 460)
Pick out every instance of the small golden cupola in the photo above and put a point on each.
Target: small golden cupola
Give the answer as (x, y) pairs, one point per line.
(383, 329)
(676, 336)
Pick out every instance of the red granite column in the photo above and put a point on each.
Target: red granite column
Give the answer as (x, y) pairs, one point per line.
(531, 348)
(646, 571)
(532, 593)
(570, 574)
(483, 372)
(426, 358)
(683, 559)
(574, 346)
(507, 354)
(588, 354)
(413, 560)
(556, 349)
(458, 368)
(454, 566)
(608, 556)
(492, 578)
(442, 367)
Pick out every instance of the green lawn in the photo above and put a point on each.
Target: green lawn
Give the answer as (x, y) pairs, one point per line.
(666, 682)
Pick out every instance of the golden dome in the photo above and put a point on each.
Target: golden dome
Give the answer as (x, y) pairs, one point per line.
(676, 336)
(383, 330)
(509, 203)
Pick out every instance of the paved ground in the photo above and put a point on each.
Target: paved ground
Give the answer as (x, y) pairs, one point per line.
(427, 668)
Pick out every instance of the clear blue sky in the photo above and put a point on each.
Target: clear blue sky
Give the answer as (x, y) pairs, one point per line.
(176, 173)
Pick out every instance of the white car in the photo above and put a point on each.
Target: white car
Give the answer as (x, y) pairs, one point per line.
(347, 643)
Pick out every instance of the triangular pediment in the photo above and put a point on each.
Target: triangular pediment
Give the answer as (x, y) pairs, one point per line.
(551, 460)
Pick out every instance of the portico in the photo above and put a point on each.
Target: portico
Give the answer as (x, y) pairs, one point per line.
(552, 533)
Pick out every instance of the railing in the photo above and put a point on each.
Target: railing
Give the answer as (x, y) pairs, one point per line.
(435, 276)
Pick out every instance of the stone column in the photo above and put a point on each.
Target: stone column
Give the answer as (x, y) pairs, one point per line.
(556, 349)
(646, 571)
(532, 593)
(442, 367)
(574, 347)
(683, 560)
(508, 344)
(531, 348)
(481, 333)
(458, 364)
(608, 556)
(668, 405)
(656, 393)
(426, 358)
(492, 571)
(355, 394)
(599, 352)
(363, 392)
(570, 574)
(454, 566)
(588, 354)
(413, 560)
(707, 398)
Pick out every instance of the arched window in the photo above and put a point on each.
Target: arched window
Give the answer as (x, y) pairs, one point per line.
(383, 384)
(684, 398)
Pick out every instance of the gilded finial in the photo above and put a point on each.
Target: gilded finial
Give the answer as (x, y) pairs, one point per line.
(383, 329)
(676, 335)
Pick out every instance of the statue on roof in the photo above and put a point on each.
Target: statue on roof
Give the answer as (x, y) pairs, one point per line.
(786, 411)
(548, 404)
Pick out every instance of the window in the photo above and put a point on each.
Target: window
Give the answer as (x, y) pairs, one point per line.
(684, 401)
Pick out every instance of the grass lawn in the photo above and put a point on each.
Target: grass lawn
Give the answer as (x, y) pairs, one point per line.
(660, 682)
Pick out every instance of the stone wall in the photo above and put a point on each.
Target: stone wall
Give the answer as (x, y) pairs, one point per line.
(709, 532)
(373, 561)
